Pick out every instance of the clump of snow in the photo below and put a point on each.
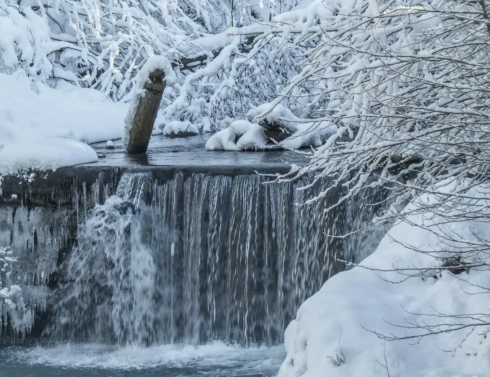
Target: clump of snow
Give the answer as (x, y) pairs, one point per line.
(180, 129)
(333, 333)
(109, 144)
(46, 128)
(244, 135)
(152, 64)
(240, 135)
(12, 304)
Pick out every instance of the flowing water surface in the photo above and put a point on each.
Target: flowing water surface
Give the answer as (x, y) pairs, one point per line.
(213, 360)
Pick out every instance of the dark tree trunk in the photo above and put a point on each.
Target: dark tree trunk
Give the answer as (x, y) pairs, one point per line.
(146, 113)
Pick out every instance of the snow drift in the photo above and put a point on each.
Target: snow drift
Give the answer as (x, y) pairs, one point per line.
(334, 333)
(46, 128)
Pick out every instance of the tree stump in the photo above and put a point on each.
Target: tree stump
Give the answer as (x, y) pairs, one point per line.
(146, 113)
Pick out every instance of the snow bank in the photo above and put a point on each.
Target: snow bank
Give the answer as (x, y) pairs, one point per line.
(46, 128)
(28, 151)
(330, 335)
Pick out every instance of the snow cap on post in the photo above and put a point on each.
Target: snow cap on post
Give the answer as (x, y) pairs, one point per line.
(147, 94)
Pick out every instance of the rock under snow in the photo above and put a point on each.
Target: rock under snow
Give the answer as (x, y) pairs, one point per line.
(288, 130)
(240, 135)
(277, 127)
(109, 144)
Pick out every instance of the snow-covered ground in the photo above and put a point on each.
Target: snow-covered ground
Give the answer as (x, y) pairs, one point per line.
(46, 128)
(334, 332)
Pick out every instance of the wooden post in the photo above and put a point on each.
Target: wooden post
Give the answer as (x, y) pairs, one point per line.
(146, 113)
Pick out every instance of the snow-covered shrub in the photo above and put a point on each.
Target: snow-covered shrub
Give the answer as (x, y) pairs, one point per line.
(25, 41)
(97, 43)
(386, 74)
(406, 84)
(102, 44)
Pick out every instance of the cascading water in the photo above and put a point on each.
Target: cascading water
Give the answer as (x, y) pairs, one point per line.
(108, 295)
(197, 258)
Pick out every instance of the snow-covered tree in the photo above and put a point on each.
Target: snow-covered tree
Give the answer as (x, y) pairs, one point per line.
(407, 85)
(102, 44)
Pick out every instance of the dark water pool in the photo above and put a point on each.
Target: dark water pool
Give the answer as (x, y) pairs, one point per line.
(213, 360)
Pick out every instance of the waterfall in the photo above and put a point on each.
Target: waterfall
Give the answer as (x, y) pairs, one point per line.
(176, 257)
(108, 295)
(197, 258)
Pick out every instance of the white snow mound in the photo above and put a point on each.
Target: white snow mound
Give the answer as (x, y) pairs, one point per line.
(46, 128)
(332, 335)
(304, 133)
(240, 135)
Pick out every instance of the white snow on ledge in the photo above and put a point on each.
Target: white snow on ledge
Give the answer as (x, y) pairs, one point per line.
(46, 128)
(330, 336)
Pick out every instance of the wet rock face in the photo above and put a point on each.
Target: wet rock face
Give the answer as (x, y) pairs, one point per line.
(173, 256)
(63, 187)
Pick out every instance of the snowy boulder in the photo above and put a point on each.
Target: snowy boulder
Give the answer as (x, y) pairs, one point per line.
(180, 129)
(283, 127)
(240, 135)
